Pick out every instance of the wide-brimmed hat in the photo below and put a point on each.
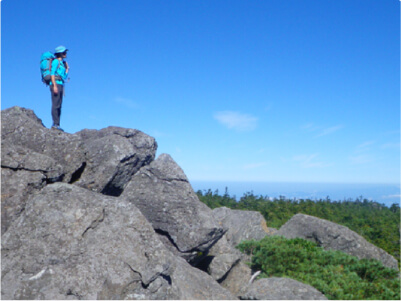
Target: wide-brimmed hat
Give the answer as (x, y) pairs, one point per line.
(60, 49)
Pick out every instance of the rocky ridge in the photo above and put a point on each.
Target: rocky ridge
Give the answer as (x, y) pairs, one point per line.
(95, 215)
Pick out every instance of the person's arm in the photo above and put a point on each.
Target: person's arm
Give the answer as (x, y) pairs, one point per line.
(55, 88)
(67, 68)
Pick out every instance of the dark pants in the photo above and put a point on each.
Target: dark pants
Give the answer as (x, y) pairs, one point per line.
(57, 100)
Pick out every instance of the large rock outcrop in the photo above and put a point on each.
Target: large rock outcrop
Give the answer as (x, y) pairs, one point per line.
(332, 236)
(68, 234)
(165, 197)
(23, 172)
(34, 156)
(72, 243)
(103, 161)
(93, 215)
(113, 155)
(21, 128)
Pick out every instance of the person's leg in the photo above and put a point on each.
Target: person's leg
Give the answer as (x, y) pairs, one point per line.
(57, 100)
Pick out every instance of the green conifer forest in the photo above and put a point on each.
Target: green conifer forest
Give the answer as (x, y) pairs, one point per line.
(336, 274)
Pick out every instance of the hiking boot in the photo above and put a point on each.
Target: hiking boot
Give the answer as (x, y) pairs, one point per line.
(57, 127)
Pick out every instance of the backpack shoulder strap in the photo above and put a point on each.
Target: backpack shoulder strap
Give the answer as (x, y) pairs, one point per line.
(50, 64)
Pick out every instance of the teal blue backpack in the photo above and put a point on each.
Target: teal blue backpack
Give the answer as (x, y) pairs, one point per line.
(45, 66)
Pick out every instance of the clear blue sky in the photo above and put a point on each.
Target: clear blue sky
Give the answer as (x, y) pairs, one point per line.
(250, 90)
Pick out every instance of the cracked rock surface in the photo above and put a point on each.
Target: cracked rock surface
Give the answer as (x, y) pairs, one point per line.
(242, 225)
(164, 195)
(33, 156)
(103, 161)
(20, 127)
(71, 243)
(23, 171)
(113, 156)
(223, 256)
(80, 243)
(332, 236)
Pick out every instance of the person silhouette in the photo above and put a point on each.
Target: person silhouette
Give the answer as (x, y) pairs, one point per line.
(58, 74)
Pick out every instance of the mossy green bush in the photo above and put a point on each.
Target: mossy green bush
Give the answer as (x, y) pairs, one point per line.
(337, 275)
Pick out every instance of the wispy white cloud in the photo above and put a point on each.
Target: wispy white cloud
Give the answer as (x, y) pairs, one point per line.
(310, 161)
(330, 130)
(362, 153)
(391, 196)
(126, 102)
(321, 131)
(391, 145)
(236, 121)
(366, 144)
(310, 127)
(361, 159)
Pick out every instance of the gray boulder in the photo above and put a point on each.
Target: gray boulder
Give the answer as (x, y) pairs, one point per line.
(281, 289)
(103, 161)
(193, 284)
(112, 156)
(241, 224)
(21, 158)
(221, 265)
(332, 236)
(22, 172)
(165, 197)
(21, 127)
(71, 243)
(220, 259)
(238, 278)
(33, 156)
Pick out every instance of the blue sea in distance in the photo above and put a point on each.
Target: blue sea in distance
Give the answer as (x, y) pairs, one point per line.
(386, 194)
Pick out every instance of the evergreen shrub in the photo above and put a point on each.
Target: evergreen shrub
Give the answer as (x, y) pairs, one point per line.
(337, 275)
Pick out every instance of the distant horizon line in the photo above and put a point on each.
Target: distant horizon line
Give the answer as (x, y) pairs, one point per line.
(297, 182)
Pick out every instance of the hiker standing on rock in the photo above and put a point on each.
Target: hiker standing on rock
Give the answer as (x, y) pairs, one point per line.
(58, 75)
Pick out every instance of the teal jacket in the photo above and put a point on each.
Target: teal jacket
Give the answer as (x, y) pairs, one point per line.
(58, 69)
